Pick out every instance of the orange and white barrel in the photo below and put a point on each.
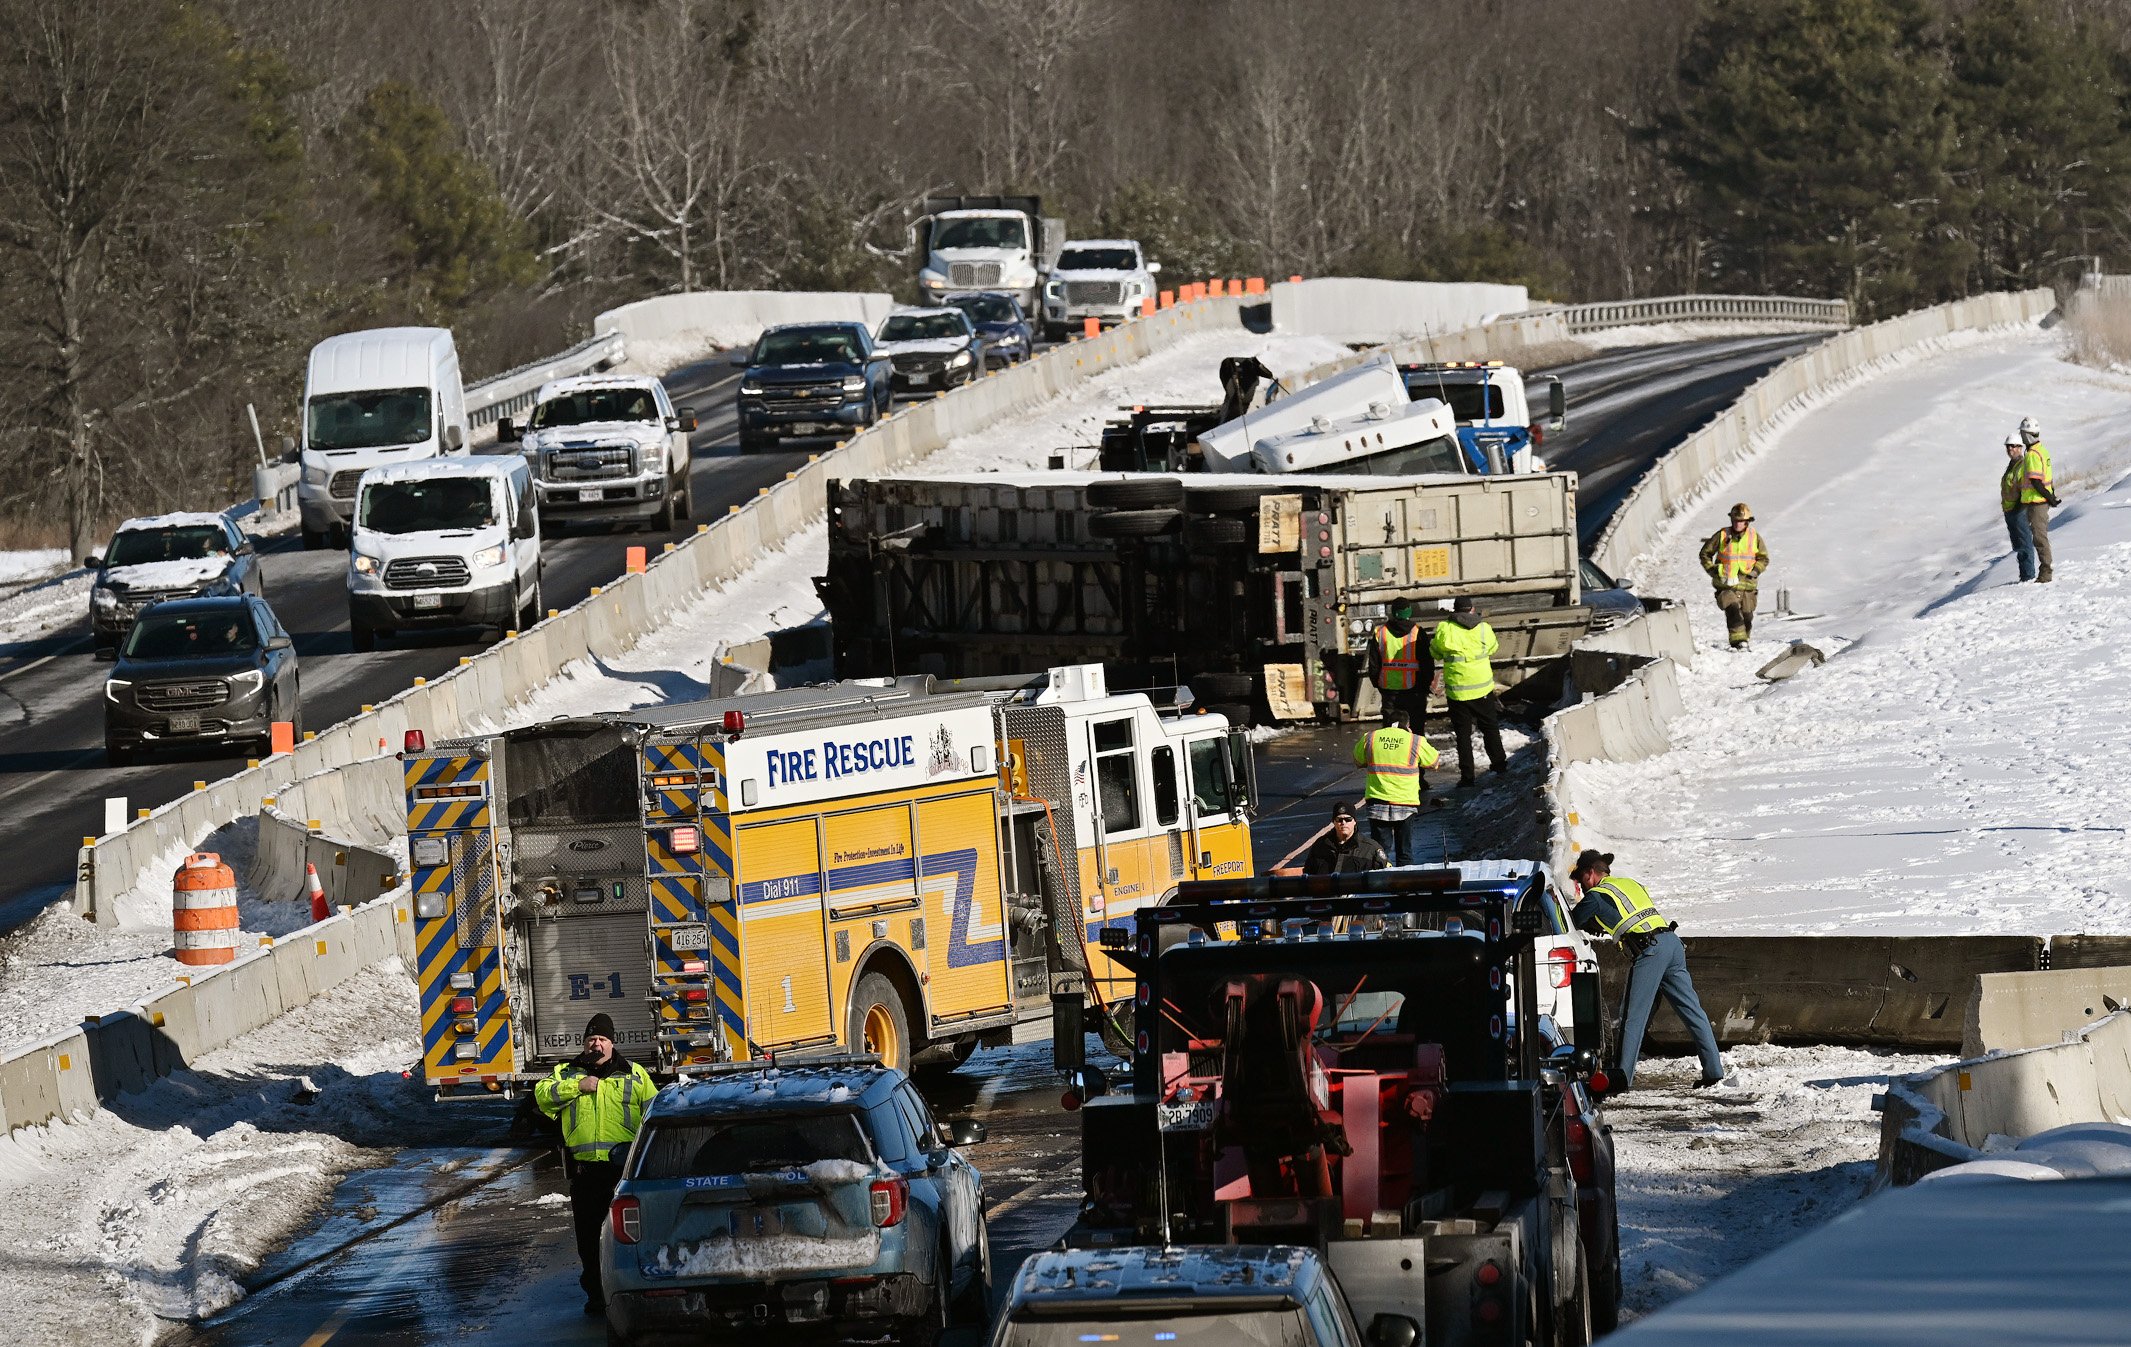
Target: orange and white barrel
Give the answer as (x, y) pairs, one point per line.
(203, 911)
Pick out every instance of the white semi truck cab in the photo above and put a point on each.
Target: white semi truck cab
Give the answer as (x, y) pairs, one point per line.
(999, 243)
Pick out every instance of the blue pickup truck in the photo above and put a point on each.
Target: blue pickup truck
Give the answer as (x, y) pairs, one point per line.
(812, 379)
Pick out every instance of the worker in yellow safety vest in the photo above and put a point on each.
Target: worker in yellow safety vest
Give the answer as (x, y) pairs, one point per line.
(1735, 556)
(599, 1096)
(2038, 493)
(1400, 666)
(2011, 483)
(1614, 905)
(1393, 758)
(1465, 646)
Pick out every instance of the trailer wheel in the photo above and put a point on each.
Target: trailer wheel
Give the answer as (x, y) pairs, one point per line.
(1572, 1326)
(1132, 493)
(879, 1023)
(1227, 687)
(1216, 532)
(1132, 523)
(1222, 499)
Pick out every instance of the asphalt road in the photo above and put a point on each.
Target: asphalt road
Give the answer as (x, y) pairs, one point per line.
(480, 1260)
(53, 780)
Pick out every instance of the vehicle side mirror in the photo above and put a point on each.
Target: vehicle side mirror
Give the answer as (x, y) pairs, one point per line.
(94, 560)
(290, 452)
(280, 643)
(1557, 402)
(1393, 1330)
(688, 420)
(454, 438)
(739, 357)
(1154, 268)
(966, 1132)
(107, 653)
(506, 430)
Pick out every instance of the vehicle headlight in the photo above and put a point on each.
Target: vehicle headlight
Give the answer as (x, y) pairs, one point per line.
(316, 476)
(1054, 288)
(748, 390)
(114, 686)
(247, 682)
(961, 359)
(364, 563)
(489, 556)
(854, 383)
(104, 598)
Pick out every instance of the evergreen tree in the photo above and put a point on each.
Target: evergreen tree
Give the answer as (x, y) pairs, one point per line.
(1818, 144)
(2042, 151)
(455, 235)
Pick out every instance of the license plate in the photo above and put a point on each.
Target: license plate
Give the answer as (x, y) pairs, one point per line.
(757, 1223)
(691, 937)
(591, 493)
(429, 600)
(1196, 1115)
(809, 428)
(184, 724)
(920, 380)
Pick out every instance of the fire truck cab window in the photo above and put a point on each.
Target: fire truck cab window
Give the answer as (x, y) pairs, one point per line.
(1209, 782)
(1116, 776)
(1163, 761)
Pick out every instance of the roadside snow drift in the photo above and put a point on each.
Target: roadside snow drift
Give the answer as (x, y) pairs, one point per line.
(1958, 764)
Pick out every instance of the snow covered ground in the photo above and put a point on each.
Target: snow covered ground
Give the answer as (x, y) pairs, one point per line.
(153, 1209)
(675, 661)
(1957, 764)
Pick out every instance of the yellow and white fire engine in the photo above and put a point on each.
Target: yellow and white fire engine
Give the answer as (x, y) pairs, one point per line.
(900, 867)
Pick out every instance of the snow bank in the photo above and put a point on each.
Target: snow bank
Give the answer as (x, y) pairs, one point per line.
(31, 564)
(1955, 768)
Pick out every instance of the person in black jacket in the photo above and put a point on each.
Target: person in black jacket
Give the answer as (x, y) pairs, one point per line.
(1343, 849)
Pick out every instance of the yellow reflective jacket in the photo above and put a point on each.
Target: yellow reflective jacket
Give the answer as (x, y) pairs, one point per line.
(2038, 484)
(599, 1125)
(2010, 485)
(1393, 758)
(1398, 659)
(1735, 561)
(1463, 652)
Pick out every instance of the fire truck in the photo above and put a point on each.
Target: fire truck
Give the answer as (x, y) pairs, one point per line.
(1365, 1069)
(903, 867)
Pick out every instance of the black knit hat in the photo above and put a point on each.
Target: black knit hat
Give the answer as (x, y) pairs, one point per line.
(599, 1026)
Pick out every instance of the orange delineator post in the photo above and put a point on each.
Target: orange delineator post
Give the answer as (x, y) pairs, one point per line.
(1255, 285)
(1294, 280)
(1090, 328)
(203, 911)
(635, 564)
(284, 734)
(1146, 307)
(1235, 287)
(1168, 299)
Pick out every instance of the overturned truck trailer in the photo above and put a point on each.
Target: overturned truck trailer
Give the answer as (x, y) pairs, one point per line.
(1260, 594)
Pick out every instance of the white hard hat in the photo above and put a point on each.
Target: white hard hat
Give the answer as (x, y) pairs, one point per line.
(2030, 428)
(2013, 442)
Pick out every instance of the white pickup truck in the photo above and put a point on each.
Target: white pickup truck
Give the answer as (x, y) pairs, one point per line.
(607, 448)
(1103, 279)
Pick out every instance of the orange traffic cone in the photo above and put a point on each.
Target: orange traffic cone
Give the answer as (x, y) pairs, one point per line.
(319, 910)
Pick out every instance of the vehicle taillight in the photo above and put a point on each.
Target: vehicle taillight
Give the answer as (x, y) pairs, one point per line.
(684, 841)
(1579, 1151)
(462, 1005)
(626, 1220)
(891, 1198)
(695, 994)
(1489, 1274)
(1561, 962)
(1538, 429)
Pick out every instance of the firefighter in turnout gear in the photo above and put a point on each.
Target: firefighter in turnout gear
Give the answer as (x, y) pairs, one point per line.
(1393, 759)
(1400, 665)
(1465, 645)
(1621, 908)
(2038, 494)
(599, 1096)
(1735, 556)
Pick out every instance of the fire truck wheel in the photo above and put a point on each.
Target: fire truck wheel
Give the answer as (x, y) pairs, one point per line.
(879, 1024)
(1135, 493)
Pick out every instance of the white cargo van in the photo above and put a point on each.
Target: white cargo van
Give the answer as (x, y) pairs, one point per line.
(382, 396)
(449, 542)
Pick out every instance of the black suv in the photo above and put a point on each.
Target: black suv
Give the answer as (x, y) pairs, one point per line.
(174, 556)
(811, 379)
(201, 671)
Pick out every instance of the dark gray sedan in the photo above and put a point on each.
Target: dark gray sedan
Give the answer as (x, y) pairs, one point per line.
(214, 671)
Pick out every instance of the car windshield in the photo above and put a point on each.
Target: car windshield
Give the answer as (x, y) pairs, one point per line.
(987, 308)
(591, 406)
(1413, 460)
(1098, 259)
(922, 327)
(806, 346)
(190, 543)
(1469, 401)
(428, 505)
(191, 635)
(369, 419)
(1180, 1328)
(688, 1148)
(996, 231)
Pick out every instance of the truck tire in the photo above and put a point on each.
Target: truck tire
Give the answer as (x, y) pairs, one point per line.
(1238, 713)
(973, 1306)
(662, 522)
(686, 509)
(1604, 1291)
(362, 637)
(114, 756)
(879, 1023)
(1223, 499)
(313, 540)
(1135, 493)
(1216, 532)
(1573, 1321)
(530, 609)
(1225, 687)
(1132, 523)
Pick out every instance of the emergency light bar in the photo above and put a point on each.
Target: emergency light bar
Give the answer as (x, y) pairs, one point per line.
(413, 742)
